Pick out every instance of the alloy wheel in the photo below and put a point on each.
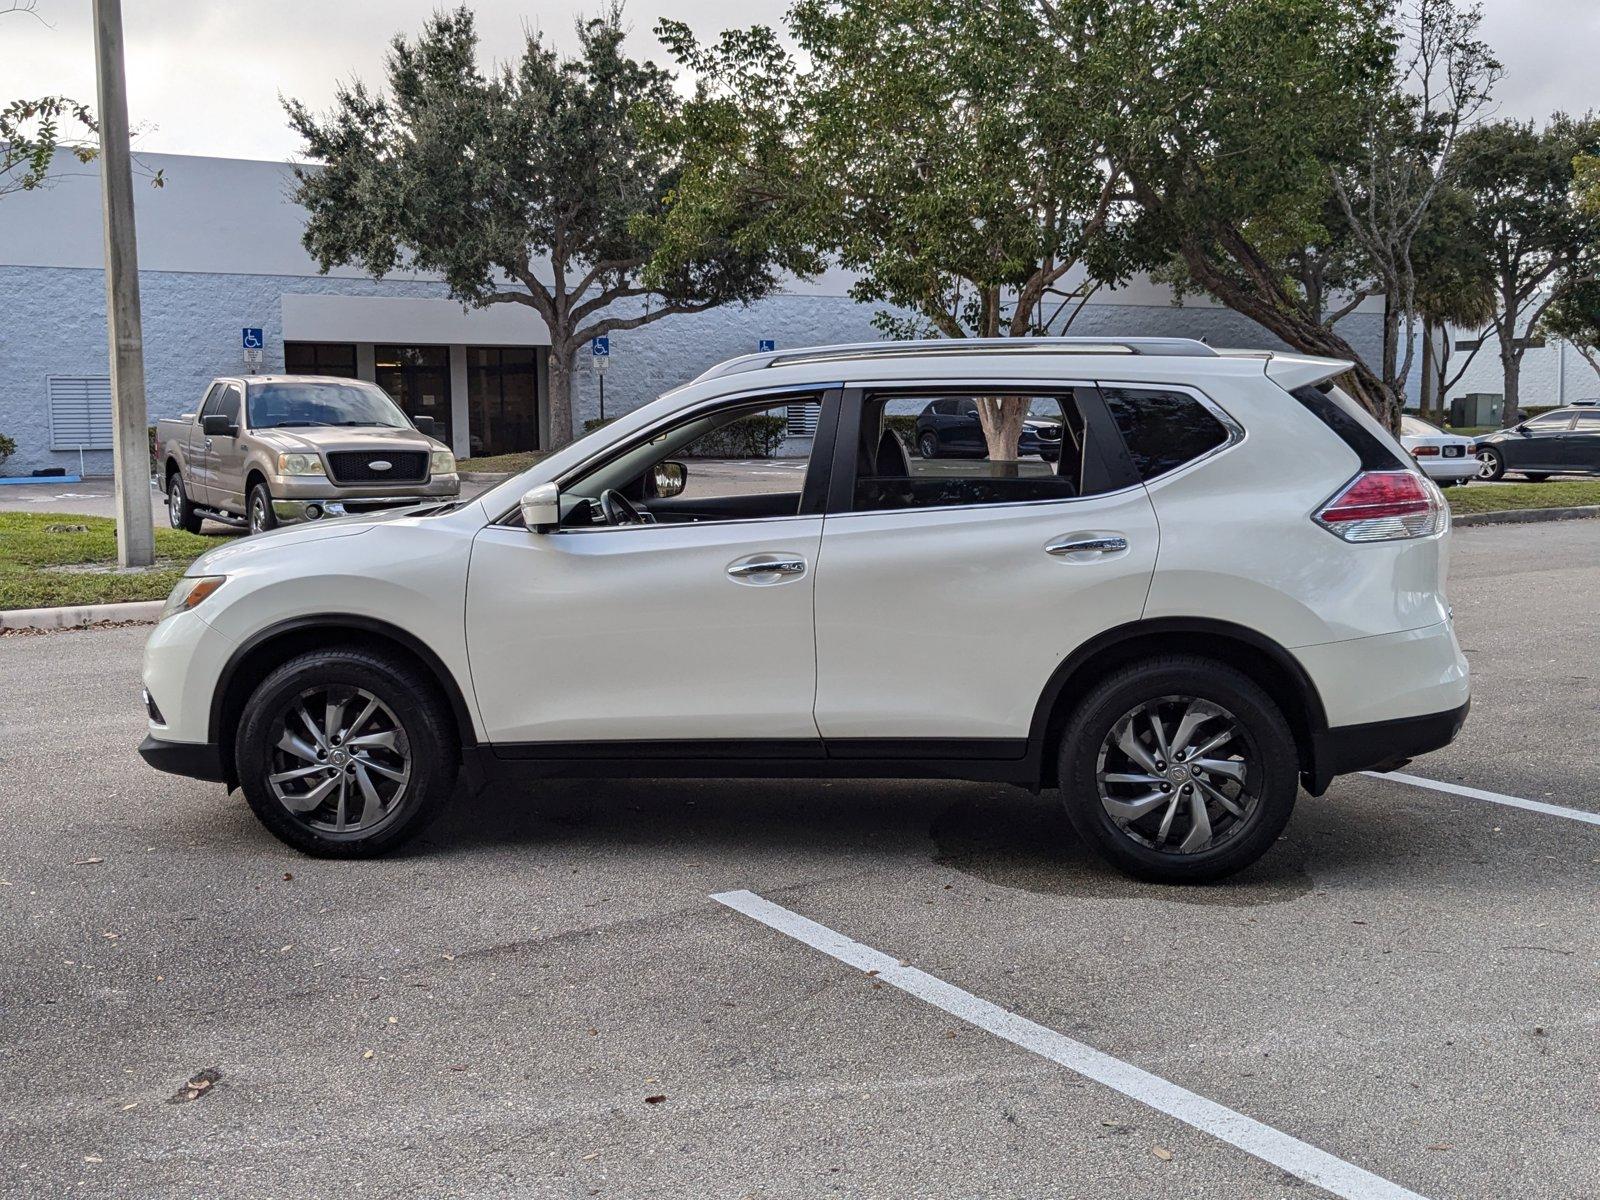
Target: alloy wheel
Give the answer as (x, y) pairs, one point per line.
(258, 515)
(1488, 464)
(341, 761)
(1175, 773)
(175, 505)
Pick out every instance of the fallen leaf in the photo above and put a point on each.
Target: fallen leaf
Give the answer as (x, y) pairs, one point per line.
(368, 1054)
(1162, 1153)
(654, 1099)
(394, 1020)
(111, 936)
(198, 1085)
(591, 1157)
(92, 1158)
(1441, 1146)
(126, 1107)
(84, 862)
(287, 876)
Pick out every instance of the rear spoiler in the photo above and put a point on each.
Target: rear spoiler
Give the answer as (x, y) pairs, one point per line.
(1290, 371)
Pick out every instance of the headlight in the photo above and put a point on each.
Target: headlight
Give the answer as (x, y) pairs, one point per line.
(190, 591)
(300, 464)
(441, 462)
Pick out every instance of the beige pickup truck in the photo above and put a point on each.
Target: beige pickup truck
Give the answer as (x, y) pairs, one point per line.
(265, 450)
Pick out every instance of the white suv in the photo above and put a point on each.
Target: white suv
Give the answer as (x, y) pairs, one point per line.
(1228, 582)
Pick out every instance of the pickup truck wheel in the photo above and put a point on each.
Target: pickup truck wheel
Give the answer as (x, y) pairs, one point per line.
(262, 518)
(179, 514)
(346, 753)
(1179, 770)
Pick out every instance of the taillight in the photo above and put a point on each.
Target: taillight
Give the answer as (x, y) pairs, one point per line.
(1384, 506)
(1424, 451)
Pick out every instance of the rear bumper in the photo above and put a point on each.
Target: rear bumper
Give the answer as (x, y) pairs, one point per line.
(1380, 745)
(197, 760)
(1450, 468)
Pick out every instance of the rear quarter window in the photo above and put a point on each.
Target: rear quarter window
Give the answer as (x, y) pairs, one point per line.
(1163, 429)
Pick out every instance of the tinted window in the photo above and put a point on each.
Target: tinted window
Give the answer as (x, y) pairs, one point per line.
(1589, 421)
(1163, 430)
(1354, 427)
(222, 402)
(988, 449)
(1550, 421)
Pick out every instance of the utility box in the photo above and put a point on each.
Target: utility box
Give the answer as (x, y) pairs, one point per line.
(1477, 408)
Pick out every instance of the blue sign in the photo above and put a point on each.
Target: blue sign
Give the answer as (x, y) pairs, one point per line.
(600, 347)
(766, 344)
(252, 339)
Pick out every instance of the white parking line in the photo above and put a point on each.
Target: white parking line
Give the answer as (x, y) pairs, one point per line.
(1456, 789)
(1270, 1145)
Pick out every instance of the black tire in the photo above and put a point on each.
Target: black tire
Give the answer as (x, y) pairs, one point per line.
(1491, 464)
(1265, 743)
(414, 710)
(928, 444)
(179, 513)
(1532, 478)
(258, 510)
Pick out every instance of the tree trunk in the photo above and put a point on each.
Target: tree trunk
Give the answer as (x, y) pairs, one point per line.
(559, 401)
(1511, 366)
(1001, 418)
(1429, 375)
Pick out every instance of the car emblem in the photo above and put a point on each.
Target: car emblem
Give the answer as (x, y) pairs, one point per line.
(380, 464)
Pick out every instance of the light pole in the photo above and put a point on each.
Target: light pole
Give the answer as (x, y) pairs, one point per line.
(130, 452)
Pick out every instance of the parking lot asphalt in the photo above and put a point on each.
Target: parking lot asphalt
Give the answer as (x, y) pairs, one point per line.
(542, 999)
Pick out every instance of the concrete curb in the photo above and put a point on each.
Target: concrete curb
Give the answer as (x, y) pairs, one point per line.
(1521, 516)
(75, 616)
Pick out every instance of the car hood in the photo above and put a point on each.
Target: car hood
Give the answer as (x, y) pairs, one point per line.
(353, 437)
(247, 550)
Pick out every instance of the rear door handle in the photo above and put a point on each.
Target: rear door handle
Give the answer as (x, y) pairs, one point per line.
(766, 568)
(1111, 543)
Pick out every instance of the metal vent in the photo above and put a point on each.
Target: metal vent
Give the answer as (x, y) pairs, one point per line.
(80, 412)
(802, 420)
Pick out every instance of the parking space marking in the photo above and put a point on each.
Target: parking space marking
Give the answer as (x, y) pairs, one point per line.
(1300, 1159)
(1456, 789)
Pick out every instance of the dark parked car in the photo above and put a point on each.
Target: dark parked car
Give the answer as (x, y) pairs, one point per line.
(951, 429)
(1563, 442)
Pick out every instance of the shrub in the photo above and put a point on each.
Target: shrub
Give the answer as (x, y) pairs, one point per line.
(754, 436)
(7, 448)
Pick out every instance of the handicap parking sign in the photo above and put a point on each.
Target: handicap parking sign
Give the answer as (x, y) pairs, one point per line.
(601, 347)
(766, 344)
(252, 339)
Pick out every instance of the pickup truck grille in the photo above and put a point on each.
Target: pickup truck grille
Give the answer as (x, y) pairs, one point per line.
(355, 466)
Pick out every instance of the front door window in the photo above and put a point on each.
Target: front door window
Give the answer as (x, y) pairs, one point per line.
(418, 377)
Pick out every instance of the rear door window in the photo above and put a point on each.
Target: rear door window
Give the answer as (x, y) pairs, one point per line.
(1163, 429)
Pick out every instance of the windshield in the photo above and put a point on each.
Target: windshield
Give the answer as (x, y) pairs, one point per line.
(1412, 427)
(322, 402)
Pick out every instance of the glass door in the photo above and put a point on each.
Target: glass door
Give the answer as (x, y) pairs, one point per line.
(418, 377)
(502, 400)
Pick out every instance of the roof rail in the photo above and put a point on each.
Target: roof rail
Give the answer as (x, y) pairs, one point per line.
(1161, 346)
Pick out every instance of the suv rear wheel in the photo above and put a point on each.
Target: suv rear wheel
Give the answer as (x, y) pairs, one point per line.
(1180, 770)
(346, 753)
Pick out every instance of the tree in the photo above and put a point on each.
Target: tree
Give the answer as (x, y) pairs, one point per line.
(1543, 245)
(1226, 120)
(1454, 288)
(549, 182)
(1575, 317)
(33, 130)
(1441, 80)
(950, 155)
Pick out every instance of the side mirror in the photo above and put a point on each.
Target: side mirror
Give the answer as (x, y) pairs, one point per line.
(670, 479)
(541, 508)
(426, 425)
(217, 425)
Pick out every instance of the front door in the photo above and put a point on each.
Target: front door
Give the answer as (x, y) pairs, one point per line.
(1541, 444)
(208, 451)
(694, 628)
(950, 590)
(418, 377)
(226, 457)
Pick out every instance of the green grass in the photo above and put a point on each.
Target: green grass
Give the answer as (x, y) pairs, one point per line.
(508, 464)
(31, 556)
(1503, 497)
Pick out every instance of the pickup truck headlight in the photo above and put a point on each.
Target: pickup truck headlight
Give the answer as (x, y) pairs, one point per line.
(190, 591)
(441, 462)
(300, 464)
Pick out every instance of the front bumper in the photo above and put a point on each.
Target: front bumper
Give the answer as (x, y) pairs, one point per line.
(1380, 745)
(315, 508)
(197, 760)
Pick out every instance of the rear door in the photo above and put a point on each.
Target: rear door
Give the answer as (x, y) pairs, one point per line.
(949, 590)
(1583, 443)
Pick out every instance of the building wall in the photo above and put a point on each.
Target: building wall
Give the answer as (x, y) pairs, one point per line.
(56, 325)
(1552, 374)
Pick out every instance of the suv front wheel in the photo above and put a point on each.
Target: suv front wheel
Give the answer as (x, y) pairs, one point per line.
(346, 753)
(1179, 770)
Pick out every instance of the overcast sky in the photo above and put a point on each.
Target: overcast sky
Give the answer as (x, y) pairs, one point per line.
(204, 75)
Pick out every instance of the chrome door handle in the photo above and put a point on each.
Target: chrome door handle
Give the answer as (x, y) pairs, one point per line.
(757, 566)
(1112, 544)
